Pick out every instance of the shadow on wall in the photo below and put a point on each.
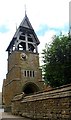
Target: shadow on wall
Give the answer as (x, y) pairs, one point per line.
(30, 88)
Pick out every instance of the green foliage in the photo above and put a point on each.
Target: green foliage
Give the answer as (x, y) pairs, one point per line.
(57, 61)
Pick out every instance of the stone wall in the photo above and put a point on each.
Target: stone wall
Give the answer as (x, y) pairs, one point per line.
(51, 105)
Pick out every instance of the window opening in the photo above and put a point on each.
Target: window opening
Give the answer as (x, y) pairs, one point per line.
(22, 37)
(30, 47)
(22, 46)
(33, 73)
(27, 73)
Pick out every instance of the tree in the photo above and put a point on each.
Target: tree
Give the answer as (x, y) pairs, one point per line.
(57, 61)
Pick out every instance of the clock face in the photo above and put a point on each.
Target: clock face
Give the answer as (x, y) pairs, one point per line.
(23, 56)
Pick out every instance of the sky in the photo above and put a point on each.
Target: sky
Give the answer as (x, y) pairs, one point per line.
(48, 18)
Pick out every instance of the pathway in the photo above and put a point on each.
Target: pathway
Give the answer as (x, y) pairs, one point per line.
(8, 116)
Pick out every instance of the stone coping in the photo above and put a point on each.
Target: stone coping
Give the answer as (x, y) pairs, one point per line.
(56, 93)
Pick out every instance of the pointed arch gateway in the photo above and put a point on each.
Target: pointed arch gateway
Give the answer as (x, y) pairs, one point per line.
(30, 88)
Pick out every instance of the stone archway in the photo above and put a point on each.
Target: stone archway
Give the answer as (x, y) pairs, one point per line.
(30, 88)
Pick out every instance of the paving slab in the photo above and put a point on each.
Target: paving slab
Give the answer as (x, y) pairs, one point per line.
(9, 116)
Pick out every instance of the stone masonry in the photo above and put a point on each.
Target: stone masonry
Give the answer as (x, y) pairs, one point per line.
(52, 105)
(16, 81)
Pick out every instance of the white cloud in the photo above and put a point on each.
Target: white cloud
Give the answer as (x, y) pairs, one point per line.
(47, 38)
(54, 13)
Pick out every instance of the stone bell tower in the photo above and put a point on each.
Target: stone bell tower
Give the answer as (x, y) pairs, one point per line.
(24, 74)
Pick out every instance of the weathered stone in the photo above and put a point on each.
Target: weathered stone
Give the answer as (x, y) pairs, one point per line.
(47, 105)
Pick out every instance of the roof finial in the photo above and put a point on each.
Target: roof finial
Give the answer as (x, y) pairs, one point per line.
(25, 9)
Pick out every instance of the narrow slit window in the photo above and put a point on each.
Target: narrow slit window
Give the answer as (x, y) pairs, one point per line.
(25, 73)
(29, 73)
(33, 74)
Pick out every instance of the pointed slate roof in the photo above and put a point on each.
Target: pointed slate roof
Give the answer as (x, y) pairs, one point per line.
(25, 26)
(26, 23)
